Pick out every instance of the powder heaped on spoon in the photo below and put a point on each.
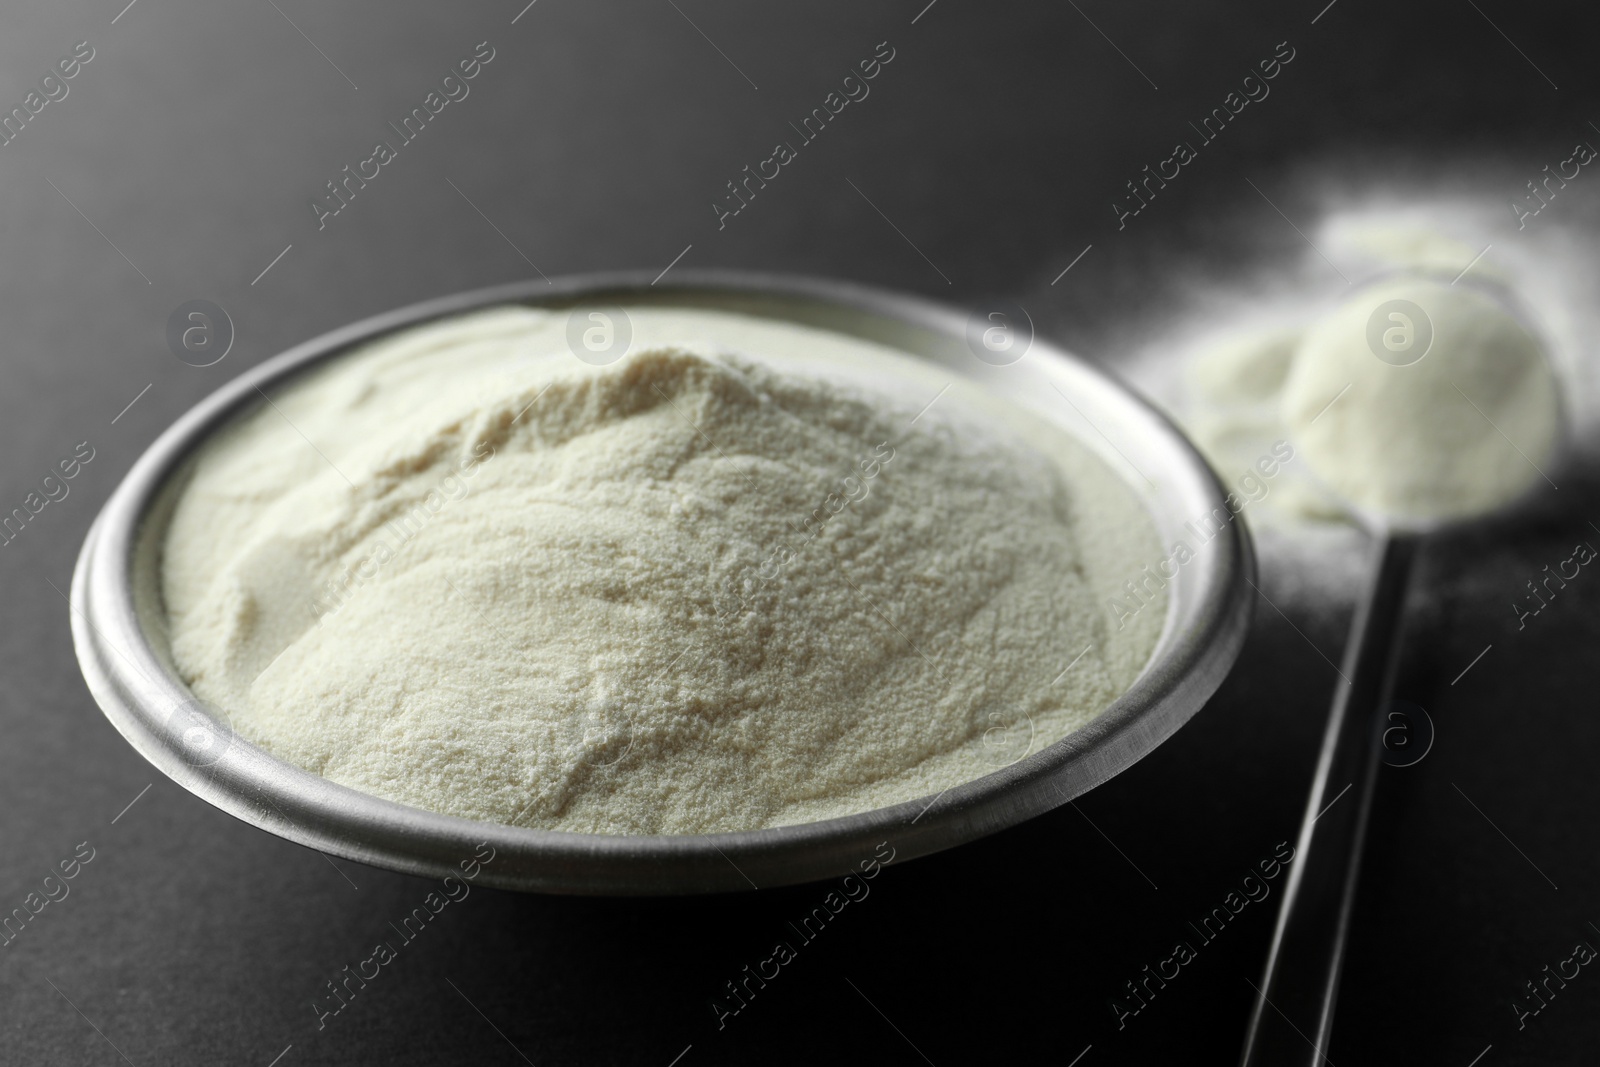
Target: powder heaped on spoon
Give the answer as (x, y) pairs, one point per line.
(1446, 405)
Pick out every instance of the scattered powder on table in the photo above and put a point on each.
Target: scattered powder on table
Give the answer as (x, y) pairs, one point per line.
(731, 581)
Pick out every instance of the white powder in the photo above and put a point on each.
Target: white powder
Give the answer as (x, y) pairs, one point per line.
(692, 591)
(1462, 430)
(1459, 432)
(1454, 432)
(1221, 359)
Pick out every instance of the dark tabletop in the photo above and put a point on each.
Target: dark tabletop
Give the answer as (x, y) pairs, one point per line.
(181, 164)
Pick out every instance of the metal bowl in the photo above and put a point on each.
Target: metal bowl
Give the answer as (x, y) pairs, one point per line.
(119, 629)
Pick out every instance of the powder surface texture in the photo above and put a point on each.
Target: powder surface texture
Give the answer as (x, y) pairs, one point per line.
(733, 580)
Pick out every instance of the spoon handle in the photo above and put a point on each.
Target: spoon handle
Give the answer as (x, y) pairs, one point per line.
(1292, 1019)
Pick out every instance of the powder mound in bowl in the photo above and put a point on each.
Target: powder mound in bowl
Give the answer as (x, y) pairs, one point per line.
(692, 591)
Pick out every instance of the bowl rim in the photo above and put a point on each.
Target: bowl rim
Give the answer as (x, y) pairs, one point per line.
(145, 700)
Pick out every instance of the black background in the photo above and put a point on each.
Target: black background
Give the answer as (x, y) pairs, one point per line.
(598, 138)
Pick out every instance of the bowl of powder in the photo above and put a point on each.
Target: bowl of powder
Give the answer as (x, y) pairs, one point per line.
(735, 582)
